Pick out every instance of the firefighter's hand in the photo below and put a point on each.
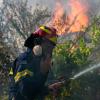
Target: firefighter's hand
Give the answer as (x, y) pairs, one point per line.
(55, 88)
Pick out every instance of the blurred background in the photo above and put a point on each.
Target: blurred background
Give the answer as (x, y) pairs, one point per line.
(78, 26)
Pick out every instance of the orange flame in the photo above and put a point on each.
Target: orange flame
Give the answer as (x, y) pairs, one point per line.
(72, 22)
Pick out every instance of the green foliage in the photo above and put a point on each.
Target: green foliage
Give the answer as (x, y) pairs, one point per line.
(71, 57)
(95, 31)
(81, 54)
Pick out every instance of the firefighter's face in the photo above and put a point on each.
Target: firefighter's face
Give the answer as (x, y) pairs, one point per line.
(47, 47)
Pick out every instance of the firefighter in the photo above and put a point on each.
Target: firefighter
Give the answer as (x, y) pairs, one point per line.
(29, 71)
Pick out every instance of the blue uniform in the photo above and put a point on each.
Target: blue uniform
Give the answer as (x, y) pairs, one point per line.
(26, 79)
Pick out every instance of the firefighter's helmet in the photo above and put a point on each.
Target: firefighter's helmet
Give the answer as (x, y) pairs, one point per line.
(36, 37)
(48, 33)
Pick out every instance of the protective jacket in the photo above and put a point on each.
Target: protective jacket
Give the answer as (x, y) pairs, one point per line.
(26, 79)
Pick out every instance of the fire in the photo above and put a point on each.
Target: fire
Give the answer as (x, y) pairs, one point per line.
(58, 20)
(79, 11)
(73, 21)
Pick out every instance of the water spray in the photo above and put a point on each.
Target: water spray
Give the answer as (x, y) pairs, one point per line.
(85, 71)
(66, 80)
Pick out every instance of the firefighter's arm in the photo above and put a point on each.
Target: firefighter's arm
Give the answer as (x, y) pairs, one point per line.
(55, 88)
(55, 85)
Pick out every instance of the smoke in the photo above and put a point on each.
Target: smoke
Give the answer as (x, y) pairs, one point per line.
(1, 2)
(93, 5)
(47, 3)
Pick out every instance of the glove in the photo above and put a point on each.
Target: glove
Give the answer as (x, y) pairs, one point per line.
(55, 88)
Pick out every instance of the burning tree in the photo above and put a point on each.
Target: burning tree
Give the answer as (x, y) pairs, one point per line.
(73, 20)
(71, 56)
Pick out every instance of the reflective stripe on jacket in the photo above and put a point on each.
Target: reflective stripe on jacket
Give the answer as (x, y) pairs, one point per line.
(22, 74)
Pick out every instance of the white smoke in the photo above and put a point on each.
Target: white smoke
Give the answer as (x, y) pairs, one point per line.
(94, 5)
(1, 2)
(47, 3)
